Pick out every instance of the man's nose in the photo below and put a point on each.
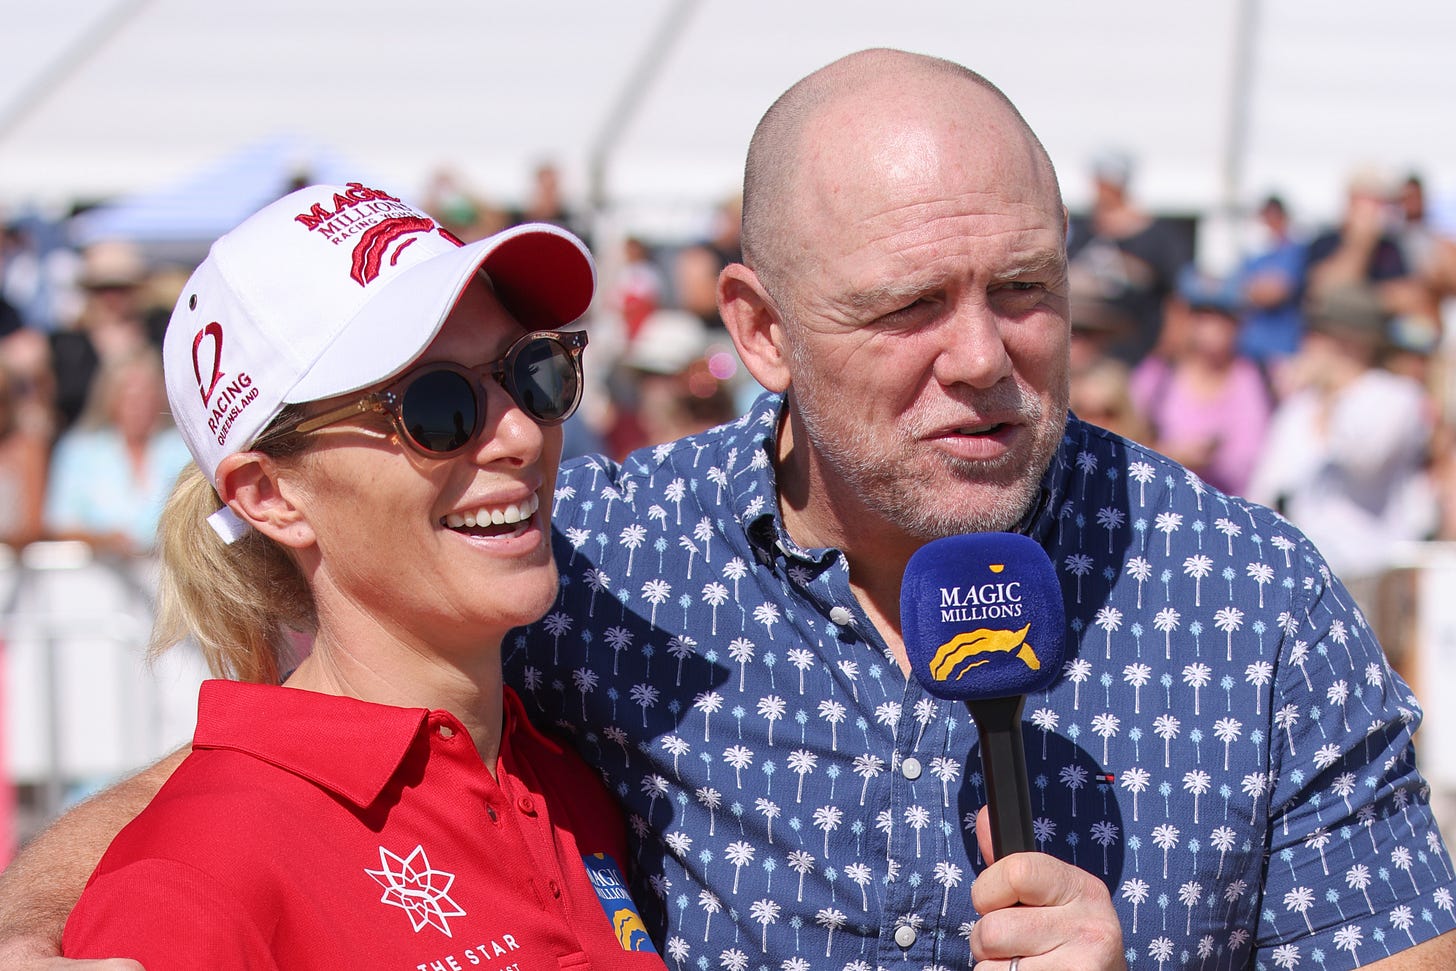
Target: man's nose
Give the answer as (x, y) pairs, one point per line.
(972, 348)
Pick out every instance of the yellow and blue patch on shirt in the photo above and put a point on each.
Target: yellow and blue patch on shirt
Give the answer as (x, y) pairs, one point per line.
(606, 879)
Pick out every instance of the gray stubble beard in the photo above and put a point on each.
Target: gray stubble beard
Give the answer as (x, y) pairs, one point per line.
(881, 486)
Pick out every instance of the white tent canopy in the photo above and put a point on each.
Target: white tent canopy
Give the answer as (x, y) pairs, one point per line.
(1218, 102)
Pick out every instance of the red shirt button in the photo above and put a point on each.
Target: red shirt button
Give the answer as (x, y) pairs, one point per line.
(526, 805)
(555, 888)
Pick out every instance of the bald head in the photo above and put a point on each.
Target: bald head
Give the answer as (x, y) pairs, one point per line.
(868, 87)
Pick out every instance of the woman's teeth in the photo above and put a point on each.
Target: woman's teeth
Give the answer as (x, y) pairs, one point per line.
(494, 515)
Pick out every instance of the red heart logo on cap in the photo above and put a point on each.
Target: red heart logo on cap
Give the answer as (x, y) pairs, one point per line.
(213, 330)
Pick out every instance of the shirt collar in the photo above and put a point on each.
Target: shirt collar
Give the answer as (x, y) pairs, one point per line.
(1040, 520)
(746, 469)
(316, 736)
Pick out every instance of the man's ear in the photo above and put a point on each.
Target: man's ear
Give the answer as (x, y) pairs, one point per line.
(250, 483)
(753, 321)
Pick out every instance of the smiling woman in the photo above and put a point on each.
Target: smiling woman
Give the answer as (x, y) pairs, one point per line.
(373, 409)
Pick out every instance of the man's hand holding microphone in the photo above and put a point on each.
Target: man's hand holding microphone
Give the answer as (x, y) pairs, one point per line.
(983, 622)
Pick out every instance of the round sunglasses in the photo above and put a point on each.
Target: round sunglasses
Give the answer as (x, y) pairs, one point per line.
(439, 409)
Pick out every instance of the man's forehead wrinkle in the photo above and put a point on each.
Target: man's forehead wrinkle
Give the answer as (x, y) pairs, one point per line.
(985, 212)
(913, 226)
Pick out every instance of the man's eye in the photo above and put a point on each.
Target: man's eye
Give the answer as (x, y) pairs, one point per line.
(908, 310)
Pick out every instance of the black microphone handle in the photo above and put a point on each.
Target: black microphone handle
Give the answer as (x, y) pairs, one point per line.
(1003, 761)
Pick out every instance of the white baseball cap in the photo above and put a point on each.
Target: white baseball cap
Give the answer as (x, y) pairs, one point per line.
(668, 342)
(334, 288)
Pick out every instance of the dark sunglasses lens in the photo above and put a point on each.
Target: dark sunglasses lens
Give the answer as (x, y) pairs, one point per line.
(546, 380)
(438, 410)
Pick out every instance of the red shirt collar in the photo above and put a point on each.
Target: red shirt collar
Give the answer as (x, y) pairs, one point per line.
(349, 747)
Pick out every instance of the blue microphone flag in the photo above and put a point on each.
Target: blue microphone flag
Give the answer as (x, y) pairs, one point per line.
(982, 617)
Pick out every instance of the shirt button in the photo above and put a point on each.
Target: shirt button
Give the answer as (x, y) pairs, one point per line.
(526, 805)
(910, 769)
(446, 731)
(555, 888)
(841, 616)
(904, 936)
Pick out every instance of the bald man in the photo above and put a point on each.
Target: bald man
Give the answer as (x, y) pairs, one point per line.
(1223, 773)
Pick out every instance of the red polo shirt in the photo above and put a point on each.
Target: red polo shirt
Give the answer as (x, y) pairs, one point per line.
(309, 831)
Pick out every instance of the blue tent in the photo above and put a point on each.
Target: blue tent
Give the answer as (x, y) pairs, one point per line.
(179, 221)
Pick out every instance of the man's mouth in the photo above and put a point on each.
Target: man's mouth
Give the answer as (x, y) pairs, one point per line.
(501, 520)
(990, 428)
(980, 430)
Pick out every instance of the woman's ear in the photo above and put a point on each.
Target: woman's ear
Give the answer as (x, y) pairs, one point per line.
(753, 321)
(250, 483)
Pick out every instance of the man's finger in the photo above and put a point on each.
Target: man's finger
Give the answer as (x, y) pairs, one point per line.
(1035, 880)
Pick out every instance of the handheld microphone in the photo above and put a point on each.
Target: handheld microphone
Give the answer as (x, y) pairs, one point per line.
(983, 622)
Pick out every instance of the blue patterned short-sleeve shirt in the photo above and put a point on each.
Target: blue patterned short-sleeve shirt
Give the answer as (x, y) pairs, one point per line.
(1226, 746)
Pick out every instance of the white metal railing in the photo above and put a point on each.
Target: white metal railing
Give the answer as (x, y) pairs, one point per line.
(1433, 666)
(81, 705)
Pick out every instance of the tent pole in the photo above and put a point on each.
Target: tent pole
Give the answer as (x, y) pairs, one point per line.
(1241, 86)
(67, 63)
(631, 96)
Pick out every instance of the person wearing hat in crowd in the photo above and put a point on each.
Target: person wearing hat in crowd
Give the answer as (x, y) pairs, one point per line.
(670, 384)
(373, 411)
(1207, 406)
(1346, 455)
(1100, 385)
(111, 324)
(1363, 248)
(1124, 257)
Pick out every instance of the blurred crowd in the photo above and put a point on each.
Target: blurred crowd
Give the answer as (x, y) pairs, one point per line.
(87, 448)
(1310, 375)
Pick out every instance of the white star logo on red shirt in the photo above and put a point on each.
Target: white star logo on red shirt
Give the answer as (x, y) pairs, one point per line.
(417, 888)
